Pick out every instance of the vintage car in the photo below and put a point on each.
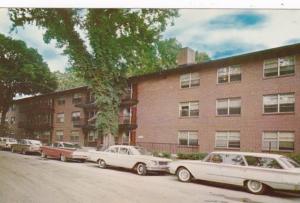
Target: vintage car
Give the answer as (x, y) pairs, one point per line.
(64, 151)
(257, 172)
(25, 146)
(131, 157)
(5, 143)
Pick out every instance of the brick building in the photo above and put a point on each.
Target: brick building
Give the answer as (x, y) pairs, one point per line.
(248, 102)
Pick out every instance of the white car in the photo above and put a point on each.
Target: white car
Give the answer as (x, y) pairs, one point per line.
(5, 142)
(131, 157)
(257, 172)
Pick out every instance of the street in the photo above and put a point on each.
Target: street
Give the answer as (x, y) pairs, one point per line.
(27, 178)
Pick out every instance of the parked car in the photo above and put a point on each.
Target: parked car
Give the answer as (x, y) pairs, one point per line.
(5, 143)
(131, 157)
(257, 172)
(25, 146)
(64, 151)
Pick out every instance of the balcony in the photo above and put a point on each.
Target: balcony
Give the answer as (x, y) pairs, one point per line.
(83, 123)
(35, 125)
(126, 124)
(127, 99)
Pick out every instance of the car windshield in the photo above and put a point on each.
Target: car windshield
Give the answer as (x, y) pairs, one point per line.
(143, 151)
(290, 162)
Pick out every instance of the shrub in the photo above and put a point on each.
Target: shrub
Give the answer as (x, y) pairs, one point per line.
(294, 156)
(191, 156)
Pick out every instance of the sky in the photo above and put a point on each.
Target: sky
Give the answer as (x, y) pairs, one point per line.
(218, 32)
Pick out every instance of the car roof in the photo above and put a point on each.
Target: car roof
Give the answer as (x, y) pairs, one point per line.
(121, 146)
(250, 154)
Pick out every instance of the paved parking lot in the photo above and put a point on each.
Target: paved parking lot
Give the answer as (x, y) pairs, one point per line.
(25, 178)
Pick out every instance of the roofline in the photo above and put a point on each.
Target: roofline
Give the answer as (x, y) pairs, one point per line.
(52, 93)
(283, 50)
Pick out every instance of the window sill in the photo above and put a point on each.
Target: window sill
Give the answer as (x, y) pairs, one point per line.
(187, 117)
(229, 149)
(279, 76)
(188, 88)
(278, 113)
(239, 115)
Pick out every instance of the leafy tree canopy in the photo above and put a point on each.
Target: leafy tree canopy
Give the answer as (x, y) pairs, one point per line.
(201, 57)
(117, 42)
(22, 71)
(68, 80)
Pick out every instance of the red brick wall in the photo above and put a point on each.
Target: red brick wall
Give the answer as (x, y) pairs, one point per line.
(158, 111)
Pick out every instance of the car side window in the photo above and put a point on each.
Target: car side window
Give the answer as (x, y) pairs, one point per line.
(113, 150)
(233, 159)
(262, 162)
(215, 158)
(55, 145)
(123, 150)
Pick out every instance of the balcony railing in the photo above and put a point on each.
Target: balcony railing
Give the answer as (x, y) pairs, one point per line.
(127, 99)
(168, 147)
(125, 123)
(83, 123)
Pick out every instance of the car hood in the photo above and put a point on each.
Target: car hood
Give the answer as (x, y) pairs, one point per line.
(296, 170)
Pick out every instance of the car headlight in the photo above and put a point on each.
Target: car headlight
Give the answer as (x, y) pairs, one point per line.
(154, 163)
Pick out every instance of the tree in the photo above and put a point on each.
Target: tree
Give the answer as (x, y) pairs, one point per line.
(201, 57)
(116, 42)
(22, 71)
(68, 80)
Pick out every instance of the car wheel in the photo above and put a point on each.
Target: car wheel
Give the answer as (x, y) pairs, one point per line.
(183, 175)
(63, 158)
(141, 169)
(256, 187)
(43, 155)
(101, 163)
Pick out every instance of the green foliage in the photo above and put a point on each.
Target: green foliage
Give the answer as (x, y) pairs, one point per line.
(117, 42)
(201, 57)
(191, 156)
(22, 71)
(68, 80)
(162, 154)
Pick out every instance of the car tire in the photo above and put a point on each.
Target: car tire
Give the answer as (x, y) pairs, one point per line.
(184, 175)
(63, 158)
(101, 163)
(141, 169)
(256, 187)
(43, 155)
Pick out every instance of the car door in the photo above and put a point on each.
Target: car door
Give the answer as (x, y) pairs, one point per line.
(125, 157)
(110, 156)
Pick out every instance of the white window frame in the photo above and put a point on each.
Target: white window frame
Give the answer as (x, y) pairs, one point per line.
(75, 136)
(278, 103)
(56, 136)
(228, 74)
(188, 138)
(227, 139)
(278, 140)
(189, 80)
(278, 67)
(228, 106)
(189, 116)
(63, 117)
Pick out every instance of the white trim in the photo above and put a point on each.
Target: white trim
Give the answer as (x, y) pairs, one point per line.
(278, 66)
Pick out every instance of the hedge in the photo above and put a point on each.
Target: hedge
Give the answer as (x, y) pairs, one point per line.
(191, 156)
(162, 154)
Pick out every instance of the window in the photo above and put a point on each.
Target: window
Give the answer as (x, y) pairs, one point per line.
(74, 136)
(227, 139)
(59, 135)
(76, 98)
(229, 106)
(76, 116)
(279, 66)
(229, 74)
(232, 159)
(262, 162)
(61, 101)
(60, 117)
(279, 103)
(189, 109)
(112, 150)
(189, 138)
(278, 141)
(12, 120)
(92, 135)
(123, 150)
(189, 80)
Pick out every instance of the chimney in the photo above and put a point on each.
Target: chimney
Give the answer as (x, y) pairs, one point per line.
(186, 56)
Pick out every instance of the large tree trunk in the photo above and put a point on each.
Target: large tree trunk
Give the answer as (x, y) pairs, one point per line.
(3, 115)
(108, 140)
